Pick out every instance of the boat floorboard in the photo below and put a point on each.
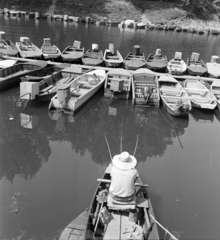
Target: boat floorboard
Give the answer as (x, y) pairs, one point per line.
(119, 227)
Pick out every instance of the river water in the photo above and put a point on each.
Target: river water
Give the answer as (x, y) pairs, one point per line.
(49, 163)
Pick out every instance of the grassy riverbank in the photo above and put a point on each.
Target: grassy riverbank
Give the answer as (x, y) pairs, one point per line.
(155, 12)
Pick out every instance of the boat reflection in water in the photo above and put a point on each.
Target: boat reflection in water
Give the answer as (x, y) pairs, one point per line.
(217, 114)
(62, 117)
(202, 115)
(177, 125)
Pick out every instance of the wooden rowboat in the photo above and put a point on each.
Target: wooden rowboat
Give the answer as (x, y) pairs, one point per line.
(174, 97)
(27, 49)
(215, 89)
(87, 225)
(10, 76)
(113, 59)
(196, 66)
(118, 84)
(213, 69)
(142, 79)
(47, 88)
(135, 60)
(7, 47)
(44, 73)
(73, 96)
(177, 66)
(50, 51)
(200, 96)
(93, 57)
(73, 53)
(156, 63)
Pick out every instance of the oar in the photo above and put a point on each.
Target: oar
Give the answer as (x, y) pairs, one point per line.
(173, 237)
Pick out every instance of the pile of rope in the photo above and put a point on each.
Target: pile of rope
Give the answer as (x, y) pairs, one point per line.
(102, 196)
(182, 106)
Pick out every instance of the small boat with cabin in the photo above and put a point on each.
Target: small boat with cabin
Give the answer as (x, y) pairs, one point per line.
(173, 96)
(112, 57)
(73, 96)
(73, 54)
(157, 61)
(145, 90)
(10, 76)
(177, 66)
(46, 88)
(200, 96)
(27, 49)
(49, 51)
(93, 57)
(196, 66)
(215, 89)
(102, 221)
(135, 60)
(213, 67)
(118, 84)
(7, 47)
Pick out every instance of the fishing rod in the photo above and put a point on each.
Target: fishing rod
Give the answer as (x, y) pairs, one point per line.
(173, 237)
(135, 146)
(108, 147)
(121, 143)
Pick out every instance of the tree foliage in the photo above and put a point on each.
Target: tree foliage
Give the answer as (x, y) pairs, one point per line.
(200, 8)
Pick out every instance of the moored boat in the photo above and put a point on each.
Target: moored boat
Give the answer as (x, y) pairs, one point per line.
(135, 60)
(213, 67)
(73, 53)
(89, 224)
(200, 96)
(118, 84)
(145, 91)
(196, 66)
(157, 61)
(27, 49)
(93, 57)
(7, 47)
(112, 57)
(173, 96)
(44, 73)
(47, 88)
(7, 63)
(215, 89)
(10, 76)
(73, 96)
(50, 51)
(177, 66)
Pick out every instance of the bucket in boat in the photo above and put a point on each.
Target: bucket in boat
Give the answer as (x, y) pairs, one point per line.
(214, 59)
(95, 47)
(63, 94)
(111, 47)
(137, 49)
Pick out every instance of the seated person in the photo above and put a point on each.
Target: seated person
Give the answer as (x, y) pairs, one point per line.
(158, 53)
(124, 175)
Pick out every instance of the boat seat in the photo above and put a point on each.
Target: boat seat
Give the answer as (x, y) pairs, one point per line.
(49, 49)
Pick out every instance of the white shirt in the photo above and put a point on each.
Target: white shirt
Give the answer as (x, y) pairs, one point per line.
(123, 182)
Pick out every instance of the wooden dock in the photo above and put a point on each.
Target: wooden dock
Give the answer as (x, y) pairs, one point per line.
(180, 78)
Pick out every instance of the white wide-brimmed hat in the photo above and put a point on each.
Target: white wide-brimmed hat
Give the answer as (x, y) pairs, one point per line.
(124, 161)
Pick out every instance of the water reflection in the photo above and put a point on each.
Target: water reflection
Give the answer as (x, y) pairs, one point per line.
(217, 114)
(202, 115)
(32, 130)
